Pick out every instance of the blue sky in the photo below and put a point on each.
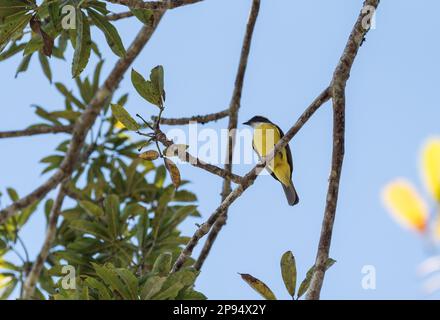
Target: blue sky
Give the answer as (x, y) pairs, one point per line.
(392, 107)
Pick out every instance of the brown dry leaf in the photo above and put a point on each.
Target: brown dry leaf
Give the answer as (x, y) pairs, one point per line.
(174, 172)
(35, 25)
(149, 155)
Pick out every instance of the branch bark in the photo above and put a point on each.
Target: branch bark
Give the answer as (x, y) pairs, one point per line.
(37, 267)
(201, 119)
(36, 131)
(339, 82)
(85, 121)
(234, 107)
(249, 179)
(154, 5)
(119, 16)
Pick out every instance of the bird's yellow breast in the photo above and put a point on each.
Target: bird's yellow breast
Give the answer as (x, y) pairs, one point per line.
(266, 136)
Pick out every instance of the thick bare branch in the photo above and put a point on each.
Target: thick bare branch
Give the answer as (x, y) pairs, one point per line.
(234, 106)
(35, 131)
(196, 162)
(340, 77)
(154, 5)
(249, 179)
(37, 267)
(200, 119)
(84, 123)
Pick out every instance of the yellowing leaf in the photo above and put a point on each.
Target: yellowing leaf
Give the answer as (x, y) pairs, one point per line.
(406, 205)
(174, 172)
(258, 286)
(431, 167)
(149, 155)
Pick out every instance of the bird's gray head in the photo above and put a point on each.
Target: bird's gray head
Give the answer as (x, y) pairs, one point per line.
(255, 121)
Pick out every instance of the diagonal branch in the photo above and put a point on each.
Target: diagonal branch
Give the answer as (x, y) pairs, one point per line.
(154, 5)
(85, 122)
(249, 179)
(196, 162)
(37, 267)
(233, 120)
(339, 82)
(35, 131)
(200, 119)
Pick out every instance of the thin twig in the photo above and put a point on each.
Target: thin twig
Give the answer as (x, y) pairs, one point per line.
(85, 122)
(35, 131)
(339, 82)
(200, 119)
(249, 179)
(37, 267)
(234, 106)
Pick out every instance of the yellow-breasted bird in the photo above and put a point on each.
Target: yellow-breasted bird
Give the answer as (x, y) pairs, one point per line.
(266, 136)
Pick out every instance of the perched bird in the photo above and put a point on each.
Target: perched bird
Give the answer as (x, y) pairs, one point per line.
(266, 136)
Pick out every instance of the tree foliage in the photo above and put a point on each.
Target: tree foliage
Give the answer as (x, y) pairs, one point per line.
(119, 228)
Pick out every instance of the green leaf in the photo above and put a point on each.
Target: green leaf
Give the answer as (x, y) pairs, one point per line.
(129, 280)
(288, 272)
(91, 208)
(124, 117)
(89, 227)
(13, 195)
(111, 206)
(157, 79)
(305, 284)
(162, 265)
(45, 66)
(258, 286)
(12, 7)
(152, 286)
(144, 16)
(24, 64)
(111, 33)
(83, 44)
(146, 89)
(13, 25)
(108, 274)
(103, 292)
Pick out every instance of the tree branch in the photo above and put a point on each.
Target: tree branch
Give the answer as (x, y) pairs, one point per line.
(249, 179)
(234, 106)
(196, 162)
(154, 5)
(37, 267)
(35, 131)
(119, 16)
(84, 122)
(340, 77)
(201, 119)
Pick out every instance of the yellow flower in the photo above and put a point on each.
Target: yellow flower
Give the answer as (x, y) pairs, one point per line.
(431, 166)
(406, 205)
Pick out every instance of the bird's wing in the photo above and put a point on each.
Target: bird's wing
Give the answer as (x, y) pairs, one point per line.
(288, 152)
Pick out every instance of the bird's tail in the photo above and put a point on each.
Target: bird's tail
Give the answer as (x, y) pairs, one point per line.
(291, 195)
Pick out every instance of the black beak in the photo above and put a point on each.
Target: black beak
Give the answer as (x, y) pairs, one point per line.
(247, 123)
